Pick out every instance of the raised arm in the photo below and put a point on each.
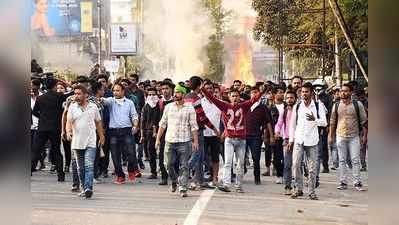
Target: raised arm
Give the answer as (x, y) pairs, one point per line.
(219, 103)
(250, 102)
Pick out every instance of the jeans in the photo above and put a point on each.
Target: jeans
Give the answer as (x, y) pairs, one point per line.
(67, 152)
(178, 151)
(196, 161)
(287, 177)
(311, 157)
(122, 140)
(164, 173)
(149, 146)
(268, 154)
(255, 145)
(344, 146)
(55, 140)
(231, 146)
(85, 159)
(334, 154)
(104, 161)
(75, 175)
(278, 157)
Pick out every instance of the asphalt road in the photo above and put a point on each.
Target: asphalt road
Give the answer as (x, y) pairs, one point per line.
(147, 203)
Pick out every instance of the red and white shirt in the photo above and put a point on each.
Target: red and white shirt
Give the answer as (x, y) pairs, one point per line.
(233, 115)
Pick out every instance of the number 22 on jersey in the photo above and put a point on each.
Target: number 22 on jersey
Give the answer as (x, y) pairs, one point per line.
(235, 119)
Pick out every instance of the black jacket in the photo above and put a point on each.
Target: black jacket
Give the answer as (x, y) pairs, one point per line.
(48, 108)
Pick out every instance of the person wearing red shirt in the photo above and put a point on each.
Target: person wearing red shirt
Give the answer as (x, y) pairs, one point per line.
(234, 119)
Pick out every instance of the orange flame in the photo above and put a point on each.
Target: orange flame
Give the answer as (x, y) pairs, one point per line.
(243, 65)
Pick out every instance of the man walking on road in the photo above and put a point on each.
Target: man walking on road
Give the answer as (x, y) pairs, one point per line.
(234, 118)
(307, 116)
(83, 119)
(181, 121)
(348, 117)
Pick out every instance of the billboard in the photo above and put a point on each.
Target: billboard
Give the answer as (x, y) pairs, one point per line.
(123, 39)
(60, 17)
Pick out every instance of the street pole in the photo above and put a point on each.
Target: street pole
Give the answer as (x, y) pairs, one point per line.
(338, 15)
(99, 34)
(338, 74)
(323, 61)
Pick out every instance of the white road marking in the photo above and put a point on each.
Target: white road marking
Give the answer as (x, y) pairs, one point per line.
(199, 207)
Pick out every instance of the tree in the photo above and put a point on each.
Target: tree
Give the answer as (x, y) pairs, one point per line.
(292, 20)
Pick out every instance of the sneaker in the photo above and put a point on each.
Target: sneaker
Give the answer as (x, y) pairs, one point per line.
(75, 189)
(224, 188)
(81, 194)
(183, 194)
(88, 193)
(359, 187)
(141, 165)
(296, 194)
(132, 176)
(313, 196)
(173, 188)
(61, 177)
(363, 169)
(42, 166)
(267, 172)
(66, 169)
(120, 180)
(333, 168)
(52, 169)
(104, 175)
(97, 180)
(342, 186)
(212, 185)
(279, 180)
(163, 182)
(288, 191)
(325, 170)
(138, 174)
(194, 187)
(239, 190)
(152, 177)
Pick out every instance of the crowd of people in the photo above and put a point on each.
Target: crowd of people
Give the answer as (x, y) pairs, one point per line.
(193, 127)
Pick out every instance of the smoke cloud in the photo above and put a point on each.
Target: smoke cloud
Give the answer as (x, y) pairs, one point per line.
(175, 33)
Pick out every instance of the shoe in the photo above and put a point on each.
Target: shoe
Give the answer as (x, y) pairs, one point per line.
(183, 194)
(75, 189)
(325, 170)
(333, 168)
(296, 194)
(288, 191)
(257, 182)
(313, 196)
(88, 193)
(224, 188)
(120, 180)
(173, 188)
(138, 174)
(81, 194)
(194, 187)
(66, 169)
(363, 169)
(132, 176)
(279, 180)
(211, 185)
(97, 180)
(359, 187)
(342, 186)
(52, 169)
(42, 166)
(239, 190)
(163, 182)
(267, 172)
(152, 177)
(61, 177)
(317, 184)
(141, 165)
(104, 175)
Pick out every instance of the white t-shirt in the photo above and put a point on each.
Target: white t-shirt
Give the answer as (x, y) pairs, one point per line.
(213, 114)
(35, 120)
(83, 125)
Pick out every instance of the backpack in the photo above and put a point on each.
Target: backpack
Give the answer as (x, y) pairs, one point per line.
(297, 108)
(356, 105)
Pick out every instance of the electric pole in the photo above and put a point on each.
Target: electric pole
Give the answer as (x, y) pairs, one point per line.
(99, 34)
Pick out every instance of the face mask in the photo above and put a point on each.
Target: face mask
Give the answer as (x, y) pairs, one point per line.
(152, 101)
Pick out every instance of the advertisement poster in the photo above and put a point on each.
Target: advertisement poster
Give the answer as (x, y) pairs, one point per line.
(55, 17)
(123, 39)
(86, 17)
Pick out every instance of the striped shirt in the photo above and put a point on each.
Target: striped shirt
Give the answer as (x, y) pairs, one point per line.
(180, 121)
(202, 120)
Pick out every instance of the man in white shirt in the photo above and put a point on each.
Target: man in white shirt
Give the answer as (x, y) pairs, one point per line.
(83, 119)
(211, 140)
(306, 117)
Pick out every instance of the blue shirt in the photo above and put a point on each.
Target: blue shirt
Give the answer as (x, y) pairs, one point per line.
(122, 112)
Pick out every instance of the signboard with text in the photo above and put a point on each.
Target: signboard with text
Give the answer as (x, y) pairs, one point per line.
(123, 39)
